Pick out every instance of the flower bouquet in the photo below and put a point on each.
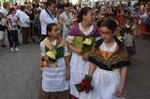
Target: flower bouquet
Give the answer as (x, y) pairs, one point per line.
(49, 58)
(87, 43)
(86, 47)
(85, 84)
(52, 56)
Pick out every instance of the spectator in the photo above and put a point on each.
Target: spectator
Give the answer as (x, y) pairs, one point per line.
(12, 23)
(25, 25)
(2, 30)
(30, 13)
(6, 6)
(47, 16)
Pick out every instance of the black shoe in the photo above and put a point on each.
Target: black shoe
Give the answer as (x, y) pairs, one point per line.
(3, 46)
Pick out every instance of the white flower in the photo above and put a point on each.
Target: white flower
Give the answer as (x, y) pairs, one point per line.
(51, 54)
(87, 41)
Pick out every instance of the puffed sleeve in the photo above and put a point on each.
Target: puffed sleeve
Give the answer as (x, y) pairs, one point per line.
(70, 39)
(66, 51)
(42, 48)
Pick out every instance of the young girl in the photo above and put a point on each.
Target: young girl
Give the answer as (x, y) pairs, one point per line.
(12, 21)
(80, 41)
(55, 82)
(110, 55)
(127, 32)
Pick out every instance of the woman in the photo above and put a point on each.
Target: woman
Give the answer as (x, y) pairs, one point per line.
(2, 30)
(5, 11)
(80, 40)
(145, 20)
(30, 13)
(55, 67)
(25, 24)
(12, 25)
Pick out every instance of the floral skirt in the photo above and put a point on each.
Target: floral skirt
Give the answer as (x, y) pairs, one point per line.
(54, 95)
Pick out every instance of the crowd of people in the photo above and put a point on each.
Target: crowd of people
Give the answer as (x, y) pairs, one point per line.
(85, 51)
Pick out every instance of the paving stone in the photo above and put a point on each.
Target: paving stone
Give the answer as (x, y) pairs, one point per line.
(3, 95)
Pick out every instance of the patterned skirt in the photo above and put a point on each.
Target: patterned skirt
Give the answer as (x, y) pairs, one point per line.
(54, 95)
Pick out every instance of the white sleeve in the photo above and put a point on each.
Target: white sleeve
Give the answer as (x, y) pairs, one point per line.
(70, 39)
(66, 53)
(47, 19)
(24, 19)
(42, 48)
(97, 38)
(3, 21)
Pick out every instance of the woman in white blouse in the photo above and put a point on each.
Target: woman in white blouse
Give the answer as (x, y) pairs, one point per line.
(25, 24)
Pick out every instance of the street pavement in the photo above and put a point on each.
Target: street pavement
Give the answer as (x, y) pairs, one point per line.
(20, 73)
(138, 84)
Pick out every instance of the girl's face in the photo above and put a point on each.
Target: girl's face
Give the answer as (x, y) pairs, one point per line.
(128, 22)
(14, 12)
(106, 34)
(90, 17)
(55, 33)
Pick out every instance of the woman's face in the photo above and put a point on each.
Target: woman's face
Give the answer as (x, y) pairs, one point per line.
(55, 33)
(106, 34)
(29, 7)
(52, 7)
(90, 17)
(8, 6)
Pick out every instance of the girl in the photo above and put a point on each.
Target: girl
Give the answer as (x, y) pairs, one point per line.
(80, 40)
(110, 55)
(54, 78)
(127, 32)
(12, 23)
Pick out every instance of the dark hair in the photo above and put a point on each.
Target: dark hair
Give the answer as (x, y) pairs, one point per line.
(127, 11)
(50, 27)
(50, 2)
(60, 6)
(11, 10)
(99, 22)
(84, 11)
(110, 24)
(22, 7)
(67, 4)
(37, 11)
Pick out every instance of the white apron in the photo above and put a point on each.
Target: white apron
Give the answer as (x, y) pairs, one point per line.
(78, 69)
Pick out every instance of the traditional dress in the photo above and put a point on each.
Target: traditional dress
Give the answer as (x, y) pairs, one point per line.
(128, 34)
(106, 78)
(54, 83)
(78, 66)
